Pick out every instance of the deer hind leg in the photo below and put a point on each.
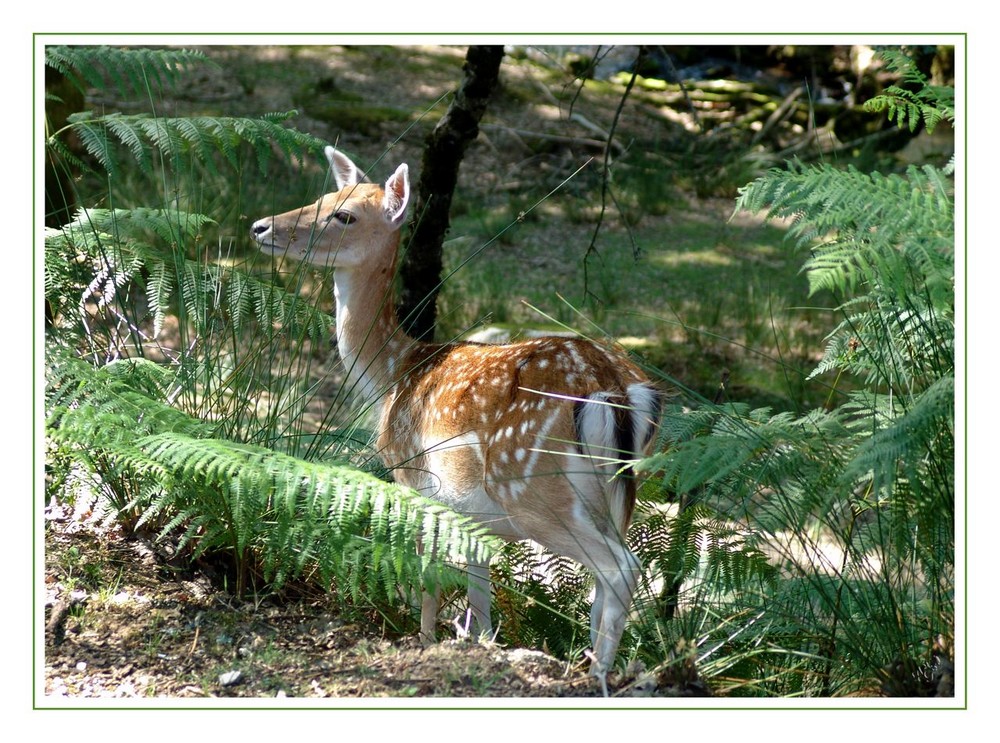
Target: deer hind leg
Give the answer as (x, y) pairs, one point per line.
(618, 576)
(615, 586)
(596, 611)
(616, 573)
(609, 426)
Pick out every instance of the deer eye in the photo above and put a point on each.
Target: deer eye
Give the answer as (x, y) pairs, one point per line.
(345, 217)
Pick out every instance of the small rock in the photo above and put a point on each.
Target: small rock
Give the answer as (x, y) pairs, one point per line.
(644, 685)
(230, 678)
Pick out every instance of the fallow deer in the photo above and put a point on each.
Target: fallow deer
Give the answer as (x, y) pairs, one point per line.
(532, 439)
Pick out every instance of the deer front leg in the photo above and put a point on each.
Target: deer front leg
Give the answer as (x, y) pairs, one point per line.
(430, 601)
(479, 601)
(480, 598)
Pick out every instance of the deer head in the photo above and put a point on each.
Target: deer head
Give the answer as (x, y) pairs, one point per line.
(342, 229)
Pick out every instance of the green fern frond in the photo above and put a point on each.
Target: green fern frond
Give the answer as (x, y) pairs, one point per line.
(886, 344)
(206, 137)
(60, 151)
(159, 289)
(116, 402)
(691, 464)
(868, 215)
(908, 439)
(289, 514)
(171, 226)
(129, 136)
(98, 142)
(131, 71)
(115, 246)
(908, 107)
(893, 238)
(699, 541)
(200, 137)
(854, 504)
(733, 559)
(767, 449)
(325, 511)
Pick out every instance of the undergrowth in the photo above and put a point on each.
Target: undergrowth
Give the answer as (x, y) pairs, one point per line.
(787, 553)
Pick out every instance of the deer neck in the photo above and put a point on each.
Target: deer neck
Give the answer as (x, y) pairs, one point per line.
(370, 340)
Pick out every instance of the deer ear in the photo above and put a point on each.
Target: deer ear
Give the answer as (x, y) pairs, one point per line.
(345, 172)
(397, 195)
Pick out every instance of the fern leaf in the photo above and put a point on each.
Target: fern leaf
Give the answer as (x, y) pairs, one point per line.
(163, 134)
(200, 137)
(95, 140)
(130, 71)
(869, 214)
(258, 490)
(908, 439)
(928, 103)
(171, 226)
(132, 137)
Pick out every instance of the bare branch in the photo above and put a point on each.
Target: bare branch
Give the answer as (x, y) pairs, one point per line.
(606, 191)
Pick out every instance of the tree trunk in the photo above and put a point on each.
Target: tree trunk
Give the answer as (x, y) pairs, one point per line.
(64, 98)
(421, 265)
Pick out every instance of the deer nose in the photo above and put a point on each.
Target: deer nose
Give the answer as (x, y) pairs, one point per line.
(260, 228)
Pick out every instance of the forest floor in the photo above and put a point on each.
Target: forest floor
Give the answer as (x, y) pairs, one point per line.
(122, 624)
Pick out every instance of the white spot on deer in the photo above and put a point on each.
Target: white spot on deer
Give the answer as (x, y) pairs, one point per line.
(532, 459)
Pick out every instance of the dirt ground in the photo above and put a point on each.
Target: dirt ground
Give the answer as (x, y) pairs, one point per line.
(121, 624)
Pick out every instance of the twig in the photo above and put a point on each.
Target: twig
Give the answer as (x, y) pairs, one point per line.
(687, 98)
(606, 140)
(56, 625)
(782, 112)
(605, 177)
(594, 61)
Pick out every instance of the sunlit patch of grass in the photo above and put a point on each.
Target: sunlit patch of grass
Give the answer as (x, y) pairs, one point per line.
(703, 294)
(702, 259)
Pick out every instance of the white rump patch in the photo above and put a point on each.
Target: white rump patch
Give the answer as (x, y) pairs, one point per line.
(596, 422)
(645, 404)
